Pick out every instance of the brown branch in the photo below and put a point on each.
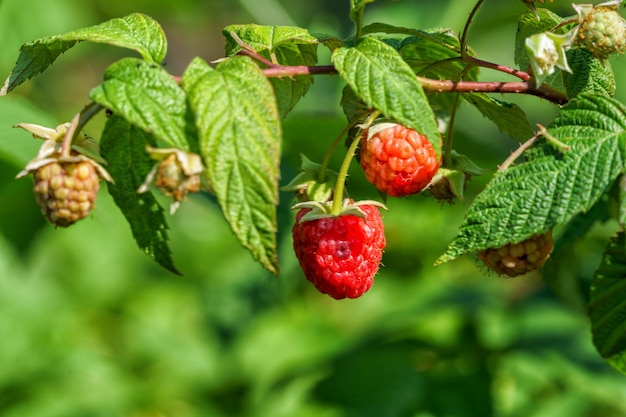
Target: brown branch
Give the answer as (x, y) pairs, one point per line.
(519, 87)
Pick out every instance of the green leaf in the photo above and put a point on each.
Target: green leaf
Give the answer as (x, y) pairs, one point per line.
(383, 80)
(123, 146)
(284, 45)
(357, 7)
(561, 270)
(439, 46)
(137, 32)
(148, 97)
(607, 309)
(528, 25)
(590, 75)
(240, 136)
(261, 38)
(551, 187)
(509, 118)
(194, 71)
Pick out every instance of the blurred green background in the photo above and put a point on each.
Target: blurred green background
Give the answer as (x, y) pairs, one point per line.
(89, 326)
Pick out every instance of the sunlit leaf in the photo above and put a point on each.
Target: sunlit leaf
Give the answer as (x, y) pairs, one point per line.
(383, 80)
(239, 129)
(147, 96)
(137, 32)
(552, 186)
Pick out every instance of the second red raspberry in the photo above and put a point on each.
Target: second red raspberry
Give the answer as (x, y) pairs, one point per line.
(398, 160)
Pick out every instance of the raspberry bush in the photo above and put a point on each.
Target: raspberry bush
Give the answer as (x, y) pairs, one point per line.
(217, 129)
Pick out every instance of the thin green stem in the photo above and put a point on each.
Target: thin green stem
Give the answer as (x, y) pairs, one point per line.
(552, 140)
(447, 147)
(359, 24)
(333, 146)
(467, 25)
(86, 115)
(345, 165)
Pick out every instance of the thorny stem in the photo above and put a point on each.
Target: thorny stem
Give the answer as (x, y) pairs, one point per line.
(430, 85)
(522, 75)
(517, 153)
(86, 115)
(524, 147)
(332, 148)
(247, 50)
(343, 171)
(553, 141)
(467, 25)
(438, 86)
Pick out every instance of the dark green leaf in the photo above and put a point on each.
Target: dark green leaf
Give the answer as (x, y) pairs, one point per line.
(123, 146)
(137, 32)
(432, 54)
(607, 308)
(590, 75)
(509, 118)
(383, 80)
(240, 135)
(147, 96)
(552, 186)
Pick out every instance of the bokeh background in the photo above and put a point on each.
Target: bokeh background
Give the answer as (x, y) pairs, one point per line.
(90, 326)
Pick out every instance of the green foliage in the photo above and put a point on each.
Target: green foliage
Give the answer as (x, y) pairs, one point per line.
(591, 75)
(529, 24)
(606, 308)
(137, 32)
(239, 130)
(287, 45)
(124, 146)
(508, 117)
(101, 331)
(553, 185)
(379, 76)
(147, 96)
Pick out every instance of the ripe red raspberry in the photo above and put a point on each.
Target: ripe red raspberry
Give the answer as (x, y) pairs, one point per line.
(340, 254)
(519, 258)
(398, 160)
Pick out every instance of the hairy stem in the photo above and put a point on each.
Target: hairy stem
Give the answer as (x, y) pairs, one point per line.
(345, 165)
(333, 146)
(467, 25)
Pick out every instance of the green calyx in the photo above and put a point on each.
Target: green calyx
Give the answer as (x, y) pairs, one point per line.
(321, 210)
(311, 183)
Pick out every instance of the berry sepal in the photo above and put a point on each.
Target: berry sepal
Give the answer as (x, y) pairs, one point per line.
(449, 183)
(67, 176)
(176, 174)
(311, 184)
(319, 210)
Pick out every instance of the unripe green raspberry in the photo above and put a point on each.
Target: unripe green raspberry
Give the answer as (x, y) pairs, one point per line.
(66, 191)
(519, 258)
(602, 31)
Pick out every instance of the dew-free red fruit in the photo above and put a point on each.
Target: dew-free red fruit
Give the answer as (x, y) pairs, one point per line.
(398, 160)
(340, 255)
